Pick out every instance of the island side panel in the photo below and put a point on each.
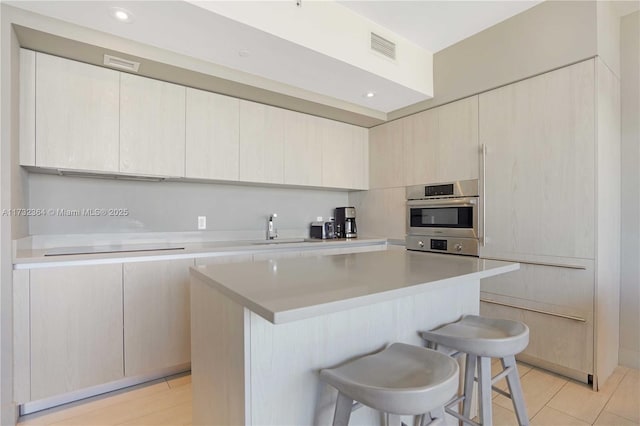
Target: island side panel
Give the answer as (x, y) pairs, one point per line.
(217, 357)
(286, 358)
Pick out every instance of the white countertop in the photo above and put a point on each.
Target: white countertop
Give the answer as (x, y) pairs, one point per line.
(285, 290)
(114, 253)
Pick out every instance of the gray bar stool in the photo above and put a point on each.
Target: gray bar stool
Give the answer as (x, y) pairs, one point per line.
(481, 339)
(399, 380)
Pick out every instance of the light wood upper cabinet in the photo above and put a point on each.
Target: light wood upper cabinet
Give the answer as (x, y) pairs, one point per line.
(261, 143)
(441, 144)
(76, 110)
(437, 145)
(386, 155)
(96, 119)
(345, 156)
(212, 136)
(152, 126)
(540, 165)
(457, 140)
(76, 328)
(303, 138)
(27, 107)
(156, 315)
(421, 148)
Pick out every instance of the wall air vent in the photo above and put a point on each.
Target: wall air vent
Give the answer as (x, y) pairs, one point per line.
(123, 64)
(383, 46)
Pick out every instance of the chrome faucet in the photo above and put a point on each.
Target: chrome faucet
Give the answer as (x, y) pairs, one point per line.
(272, 234)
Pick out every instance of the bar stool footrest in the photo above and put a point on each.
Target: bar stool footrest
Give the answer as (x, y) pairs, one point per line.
(461, 417)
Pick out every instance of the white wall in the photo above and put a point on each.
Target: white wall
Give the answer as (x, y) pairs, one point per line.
(175, 206)
(550, 35)
(10, 183)
(630, 217)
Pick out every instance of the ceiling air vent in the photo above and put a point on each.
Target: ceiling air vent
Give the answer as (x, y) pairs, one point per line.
(123, 64)
(383, 46)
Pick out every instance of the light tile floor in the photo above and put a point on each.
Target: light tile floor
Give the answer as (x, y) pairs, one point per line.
(551, 400)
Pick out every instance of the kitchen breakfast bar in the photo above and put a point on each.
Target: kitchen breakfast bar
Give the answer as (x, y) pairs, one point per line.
(262, 331)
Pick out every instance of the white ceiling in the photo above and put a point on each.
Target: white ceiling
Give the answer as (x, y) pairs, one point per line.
(193, 31)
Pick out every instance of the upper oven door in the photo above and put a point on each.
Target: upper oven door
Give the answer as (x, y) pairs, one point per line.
(452, 217)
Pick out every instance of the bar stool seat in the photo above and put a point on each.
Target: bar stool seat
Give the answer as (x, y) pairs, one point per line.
(482, 336)
(401, 379)
(481, 339)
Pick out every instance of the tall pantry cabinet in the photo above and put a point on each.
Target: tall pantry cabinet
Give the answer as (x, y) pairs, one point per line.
(551, 201)
(547, 152)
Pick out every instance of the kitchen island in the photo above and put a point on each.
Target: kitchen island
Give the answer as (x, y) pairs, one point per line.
(261, 332)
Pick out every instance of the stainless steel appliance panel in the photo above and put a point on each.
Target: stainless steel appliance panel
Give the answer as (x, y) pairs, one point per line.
(462, 188)
(455, 217)
(449, 245)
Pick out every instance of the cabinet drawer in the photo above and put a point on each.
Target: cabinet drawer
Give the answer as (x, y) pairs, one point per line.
(554, 339)
(560, 286)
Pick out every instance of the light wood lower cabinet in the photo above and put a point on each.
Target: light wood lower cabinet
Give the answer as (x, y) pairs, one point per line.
(558, 343)
(82, 326)
(76, 328)
(156, 315)
(557, 305)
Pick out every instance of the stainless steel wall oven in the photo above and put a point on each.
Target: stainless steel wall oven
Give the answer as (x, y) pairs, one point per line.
(443, 217)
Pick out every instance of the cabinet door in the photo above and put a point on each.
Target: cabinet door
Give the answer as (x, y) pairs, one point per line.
(386, 155)
(261, 143)
(76, 328)
(76, 115)
(345, 156)
(457, 140)
(441, 144)
(303, 136)
(421, 148)
(540, 163)
(157, 331)
(212, 136)
(556, 343)
(360, 148)
(152, 126)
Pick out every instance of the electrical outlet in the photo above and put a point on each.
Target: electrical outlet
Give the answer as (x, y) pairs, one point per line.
(202, 222)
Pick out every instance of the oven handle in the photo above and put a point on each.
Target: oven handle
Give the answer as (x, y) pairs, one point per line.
(456, 202)
(483, 156)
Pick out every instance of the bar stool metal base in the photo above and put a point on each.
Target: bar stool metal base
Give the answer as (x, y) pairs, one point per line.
(482, 339)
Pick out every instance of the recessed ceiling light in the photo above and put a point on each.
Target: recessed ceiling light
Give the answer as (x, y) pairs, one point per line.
(121, 15)
(369, 94)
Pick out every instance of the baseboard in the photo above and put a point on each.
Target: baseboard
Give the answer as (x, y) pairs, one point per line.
(629, 358)
(580, 376)
(43, 404)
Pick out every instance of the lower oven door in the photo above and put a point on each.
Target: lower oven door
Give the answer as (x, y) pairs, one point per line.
(452, 217)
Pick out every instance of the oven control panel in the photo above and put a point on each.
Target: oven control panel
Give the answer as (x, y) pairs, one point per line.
(449, 245)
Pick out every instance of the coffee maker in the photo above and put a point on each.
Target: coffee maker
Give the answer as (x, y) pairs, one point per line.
(346, 222)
